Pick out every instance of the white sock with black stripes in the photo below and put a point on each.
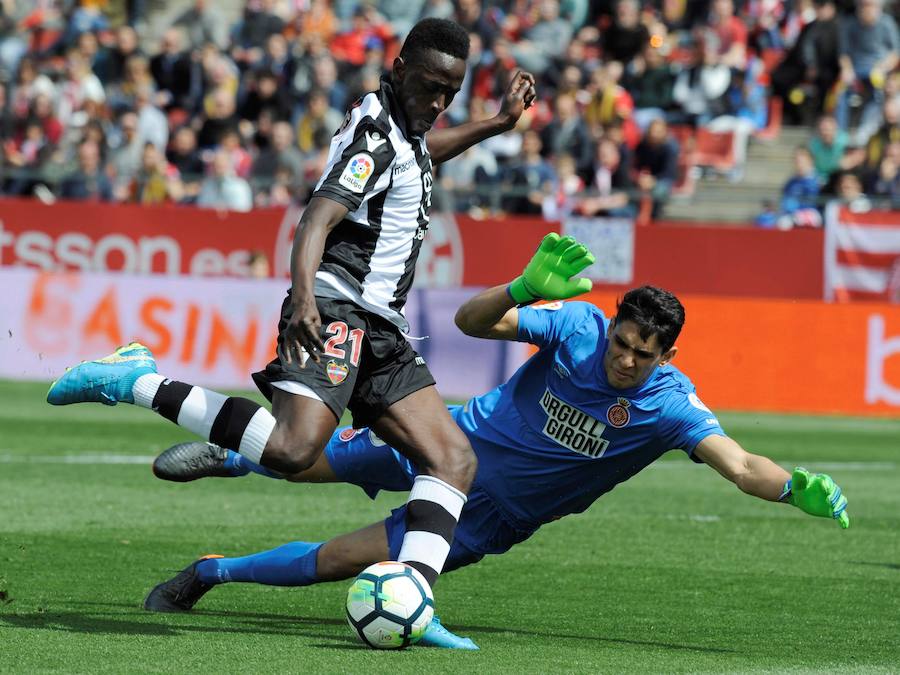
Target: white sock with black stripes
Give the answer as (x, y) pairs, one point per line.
(432, 512)
(235, 423)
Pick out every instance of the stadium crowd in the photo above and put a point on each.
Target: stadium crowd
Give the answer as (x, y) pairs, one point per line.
(237, 116)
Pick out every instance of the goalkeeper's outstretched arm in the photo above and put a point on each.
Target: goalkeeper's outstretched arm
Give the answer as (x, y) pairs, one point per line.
(816, 494)
(549, 275)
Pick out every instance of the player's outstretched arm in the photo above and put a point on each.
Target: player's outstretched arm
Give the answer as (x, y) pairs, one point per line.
(816, 494)
(444, 144)
(550, 275)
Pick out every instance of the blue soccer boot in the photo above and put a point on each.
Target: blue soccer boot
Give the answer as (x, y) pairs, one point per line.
(107, 380)
(438, 636)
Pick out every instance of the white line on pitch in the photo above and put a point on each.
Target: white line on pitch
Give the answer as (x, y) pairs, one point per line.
(93, 458)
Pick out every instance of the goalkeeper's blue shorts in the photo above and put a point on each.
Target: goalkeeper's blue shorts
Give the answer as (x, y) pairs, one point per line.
(359, 457)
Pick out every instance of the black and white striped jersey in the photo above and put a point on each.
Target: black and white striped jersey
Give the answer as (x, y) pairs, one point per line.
(384, 178)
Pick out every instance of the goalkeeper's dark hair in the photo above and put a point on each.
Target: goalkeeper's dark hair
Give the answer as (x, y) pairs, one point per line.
(442, 35)
(655, 312)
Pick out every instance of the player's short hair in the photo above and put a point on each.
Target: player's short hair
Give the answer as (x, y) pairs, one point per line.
(442, 35)
(655, 312)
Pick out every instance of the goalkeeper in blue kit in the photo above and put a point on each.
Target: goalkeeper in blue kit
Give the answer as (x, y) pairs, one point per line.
(596, 404)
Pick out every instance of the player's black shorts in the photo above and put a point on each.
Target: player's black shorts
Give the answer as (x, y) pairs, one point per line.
(367, 365)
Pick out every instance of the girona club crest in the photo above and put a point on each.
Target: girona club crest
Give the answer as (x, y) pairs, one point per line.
(618, 414)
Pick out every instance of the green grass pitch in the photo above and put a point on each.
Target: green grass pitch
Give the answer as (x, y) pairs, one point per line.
(675, 571)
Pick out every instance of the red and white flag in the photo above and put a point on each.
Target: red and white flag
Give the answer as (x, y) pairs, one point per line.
(862, 255)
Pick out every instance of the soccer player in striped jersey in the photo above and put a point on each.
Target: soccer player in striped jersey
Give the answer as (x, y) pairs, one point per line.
(595, 405)
(341, 341)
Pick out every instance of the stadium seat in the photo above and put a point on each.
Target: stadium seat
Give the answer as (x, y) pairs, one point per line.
(773, 127)
(715, 150)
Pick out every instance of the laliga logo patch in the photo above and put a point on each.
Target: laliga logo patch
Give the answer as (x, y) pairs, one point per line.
(337, 372)
(348, 434)
(618, 414)
(357, 172)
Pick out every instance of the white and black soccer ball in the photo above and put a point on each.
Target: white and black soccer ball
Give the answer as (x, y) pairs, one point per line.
(390, 605)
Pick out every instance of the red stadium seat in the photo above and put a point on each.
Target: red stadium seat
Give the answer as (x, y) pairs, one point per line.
(773, 127)
(715, 150)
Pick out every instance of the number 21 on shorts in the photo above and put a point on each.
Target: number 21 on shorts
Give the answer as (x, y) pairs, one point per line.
(340, 332)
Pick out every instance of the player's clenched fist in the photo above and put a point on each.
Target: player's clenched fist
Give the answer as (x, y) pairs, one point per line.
(817, 494)
(550, 273)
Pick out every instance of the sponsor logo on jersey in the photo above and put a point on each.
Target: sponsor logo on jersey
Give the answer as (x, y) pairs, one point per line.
(357, 172)
(406, 166)
(348, 434)
(560, 370)
(572, 428)
(337, 372)
(618, 414)
(420, 361)
(374, 440)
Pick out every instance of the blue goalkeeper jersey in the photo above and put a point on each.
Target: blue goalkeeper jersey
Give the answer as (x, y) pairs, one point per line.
(557, 436)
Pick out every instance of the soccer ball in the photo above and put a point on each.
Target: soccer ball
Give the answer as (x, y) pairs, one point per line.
(390, 605)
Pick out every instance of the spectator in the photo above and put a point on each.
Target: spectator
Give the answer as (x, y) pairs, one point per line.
(153, 126)
(811, 66)
(888, 133)
(611, 184)
(325, 78)
(29, 83)
(627, 37)
(89, 182)
(184, 155)
(318, 116)
(42, 111)
(828, 147)
(317, 22)
(850, 192)
(544, 41)
(567, 189)
(26, 155)
(221, 119)
(470, 15)
(366, 26)
(283, 154)
(800, 193)
(13, 43)
(530, 179)
(884, 184)
(257, 24)
(278, 60)
(157, 181)
(241, 161)
(611, 105)
(265, 93)
(731, 33)
(137, 74)
(745, 106)
(173, 72)
(110, 64)
(650, 80)
(126, 155)
(869, 46)
(204, 24)
(222, 189)
(568, 134)
(80, 84)
(656, 164)
(699, 88)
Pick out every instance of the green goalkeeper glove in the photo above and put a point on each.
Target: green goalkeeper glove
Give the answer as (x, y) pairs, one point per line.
(817, 494)
(549, 274)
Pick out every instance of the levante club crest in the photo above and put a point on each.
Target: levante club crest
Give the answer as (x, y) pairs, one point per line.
(337, 372)
(618, 414)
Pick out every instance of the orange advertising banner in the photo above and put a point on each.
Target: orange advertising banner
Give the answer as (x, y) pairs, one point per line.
(789, 356)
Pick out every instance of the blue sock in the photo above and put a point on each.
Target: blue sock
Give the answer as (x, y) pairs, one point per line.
(241, 466)
(292, 564)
